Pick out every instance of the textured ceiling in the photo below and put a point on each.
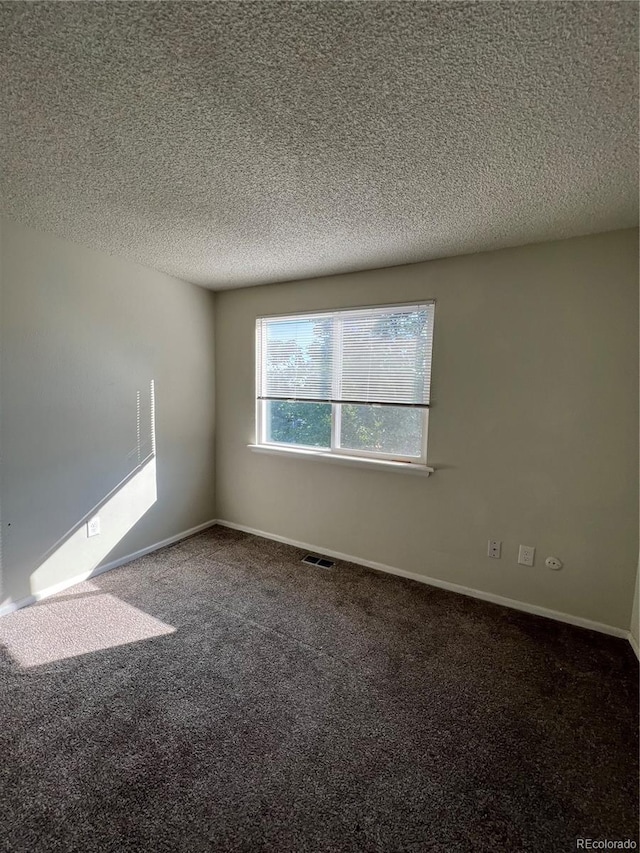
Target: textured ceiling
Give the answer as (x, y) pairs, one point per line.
(241, 143)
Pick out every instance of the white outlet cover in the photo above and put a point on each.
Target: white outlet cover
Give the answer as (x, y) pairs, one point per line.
(526, 555)
(553, 563)
(93, 526)
(494, 548)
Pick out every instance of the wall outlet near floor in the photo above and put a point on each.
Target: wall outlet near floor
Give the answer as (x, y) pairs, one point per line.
(494, 548)
(526, 555)
(93, 526)
(553, 563)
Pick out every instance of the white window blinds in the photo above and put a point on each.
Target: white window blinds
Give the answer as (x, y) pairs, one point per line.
(378, 356)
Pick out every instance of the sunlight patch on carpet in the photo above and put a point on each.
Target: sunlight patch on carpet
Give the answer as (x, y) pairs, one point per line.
(76, 622)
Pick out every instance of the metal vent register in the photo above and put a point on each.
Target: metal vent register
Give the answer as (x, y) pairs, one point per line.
(317, 561)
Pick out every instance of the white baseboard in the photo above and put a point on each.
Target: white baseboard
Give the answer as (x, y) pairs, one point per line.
(452, 587)
(59, 587)
(349, 558)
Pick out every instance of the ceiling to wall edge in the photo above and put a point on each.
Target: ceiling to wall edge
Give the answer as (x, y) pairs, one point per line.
(349, 272)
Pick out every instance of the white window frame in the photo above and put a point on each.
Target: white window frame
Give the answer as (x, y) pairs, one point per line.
(335, 450)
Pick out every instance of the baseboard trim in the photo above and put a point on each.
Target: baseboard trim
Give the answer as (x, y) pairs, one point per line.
(59, 587)
(534, 609)
(349, 558)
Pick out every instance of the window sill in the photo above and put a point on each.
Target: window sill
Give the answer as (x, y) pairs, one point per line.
(353, 461)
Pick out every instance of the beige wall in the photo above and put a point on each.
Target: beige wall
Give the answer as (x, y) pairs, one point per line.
(534, 428)
(80, 334)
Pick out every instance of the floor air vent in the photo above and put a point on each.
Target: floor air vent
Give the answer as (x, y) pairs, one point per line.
(317, 561)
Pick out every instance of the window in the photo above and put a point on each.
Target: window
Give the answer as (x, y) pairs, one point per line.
(354, 383)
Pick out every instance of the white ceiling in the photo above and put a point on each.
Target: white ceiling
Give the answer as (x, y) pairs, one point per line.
(233, 144)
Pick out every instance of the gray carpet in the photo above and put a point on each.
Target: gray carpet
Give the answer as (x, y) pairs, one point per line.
(220, 696)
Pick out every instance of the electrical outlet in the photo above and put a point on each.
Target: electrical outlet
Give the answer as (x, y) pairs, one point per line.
(93, 526)
(526, 555)
(494, 547)
(553, 563)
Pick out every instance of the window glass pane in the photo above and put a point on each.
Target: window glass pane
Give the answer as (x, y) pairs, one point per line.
(382, 429)
(307, 424)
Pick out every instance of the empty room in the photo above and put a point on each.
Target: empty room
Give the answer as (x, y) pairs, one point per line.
(319, 429)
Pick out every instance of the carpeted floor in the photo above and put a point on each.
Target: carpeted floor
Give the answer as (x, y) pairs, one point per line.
(220, 696)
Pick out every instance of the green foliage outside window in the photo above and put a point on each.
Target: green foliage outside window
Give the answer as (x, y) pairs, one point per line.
(300, 423)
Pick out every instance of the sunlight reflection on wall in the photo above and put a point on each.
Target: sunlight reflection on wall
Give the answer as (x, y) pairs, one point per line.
(76, 556)
(79, 555)
(84, 619)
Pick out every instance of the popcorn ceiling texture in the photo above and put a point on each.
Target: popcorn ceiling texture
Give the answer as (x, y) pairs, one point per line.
(232, 144)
